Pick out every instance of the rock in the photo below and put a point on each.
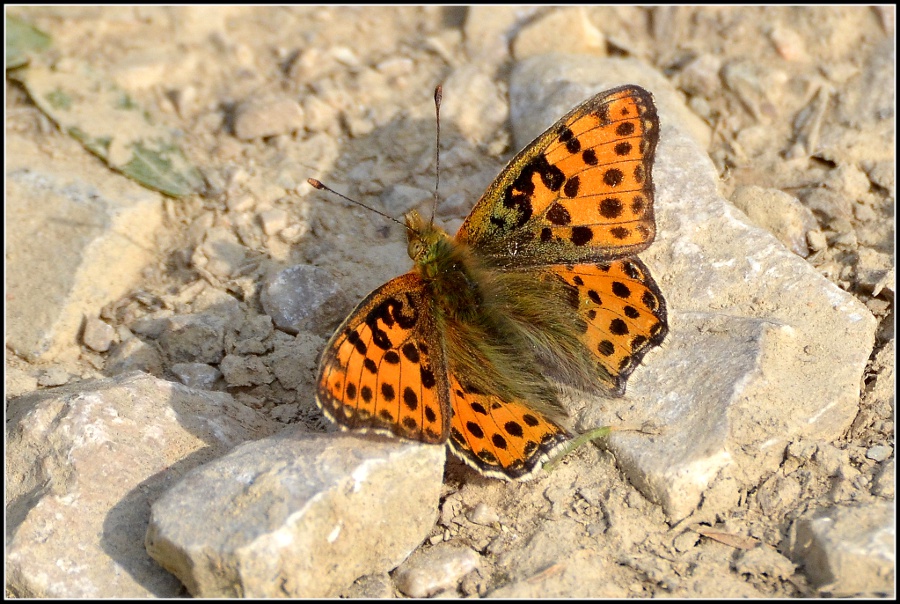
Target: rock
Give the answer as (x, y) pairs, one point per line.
(874, 270)
(81, 238)
(83, 465)
(483, 514)
(401, 198)
(474, 103)
(848, 550)
(302, 298)
(245, 370)
(376, 586)
(254, 336)
(273, 221)
(297, 515)
(736, 379)
(788, 43)
(763, 563)
(487, 27)
(53, 376)
(262, 117)
(18, 382)
(431, 571)
(884, 481)
(98, 335)
(754, 84)
(197, 338)
(196, 375)
(879, 452)
(294, 362)
(567, 30)
(700, 77)
(221, 253)
(779, 213)
(134, 354)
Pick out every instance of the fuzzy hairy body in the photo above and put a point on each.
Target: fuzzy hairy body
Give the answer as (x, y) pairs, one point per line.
(505, 330)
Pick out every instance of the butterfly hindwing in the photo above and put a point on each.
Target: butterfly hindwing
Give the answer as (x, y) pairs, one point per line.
(506, 440)
(384, 369)
(623, 311)
(580, 191)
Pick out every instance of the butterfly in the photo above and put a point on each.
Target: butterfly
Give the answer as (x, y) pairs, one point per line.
(540, 287)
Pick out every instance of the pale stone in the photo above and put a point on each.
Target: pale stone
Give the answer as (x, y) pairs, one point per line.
(98, 335)
(301, 298)
(196, 375)
(81, 236)
(262, 117)
(434, 570)
(273, 220)
(483, 514)
(475, 103)
(486, 30)
(83, 465)
(848, 550)
(779, 213)
(566, 30)
(297, 515)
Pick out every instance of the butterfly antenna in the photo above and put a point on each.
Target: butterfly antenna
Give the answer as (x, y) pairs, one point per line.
(438, 93)
(322, 187)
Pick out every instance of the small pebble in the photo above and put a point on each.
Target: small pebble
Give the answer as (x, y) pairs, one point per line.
(879, 452)
(259, 118)
(435, 570)
(98, 335)
(196, 375)
(483, 514)
(53, 376)
(273, 220)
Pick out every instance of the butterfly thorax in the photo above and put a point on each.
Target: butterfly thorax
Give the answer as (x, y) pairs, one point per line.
(481, 312)
(446, 266)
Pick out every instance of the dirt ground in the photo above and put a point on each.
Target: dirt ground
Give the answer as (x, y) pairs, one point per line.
(364, 78)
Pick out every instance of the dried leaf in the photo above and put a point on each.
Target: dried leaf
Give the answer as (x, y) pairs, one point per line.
(730, 539)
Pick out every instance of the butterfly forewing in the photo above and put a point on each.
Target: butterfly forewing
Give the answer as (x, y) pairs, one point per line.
(581, 191)
(384, 370)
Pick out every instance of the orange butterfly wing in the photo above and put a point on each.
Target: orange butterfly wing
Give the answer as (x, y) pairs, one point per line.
(578, 203)
(502, 440)
(623, 310)
(384, 367)
(581, 191)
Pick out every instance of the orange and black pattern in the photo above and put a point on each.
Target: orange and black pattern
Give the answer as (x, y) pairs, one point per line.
(575, 205)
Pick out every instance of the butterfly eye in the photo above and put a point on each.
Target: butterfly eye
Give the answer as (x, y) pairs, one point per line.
(415, 249)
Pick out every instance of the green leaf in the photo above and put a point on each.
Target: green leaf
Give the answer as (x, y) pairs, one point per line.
(163, 167)
(22, 39)
(93, 110)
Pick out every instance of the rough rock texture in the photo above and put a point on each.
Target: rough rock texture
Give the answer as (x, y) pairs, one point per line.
(83, 465)
(849, 550)
(82, 236)
(297, 515)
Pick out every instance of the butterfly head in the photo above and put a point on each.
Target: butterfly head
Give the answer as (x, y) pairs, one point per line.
(426, 241)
